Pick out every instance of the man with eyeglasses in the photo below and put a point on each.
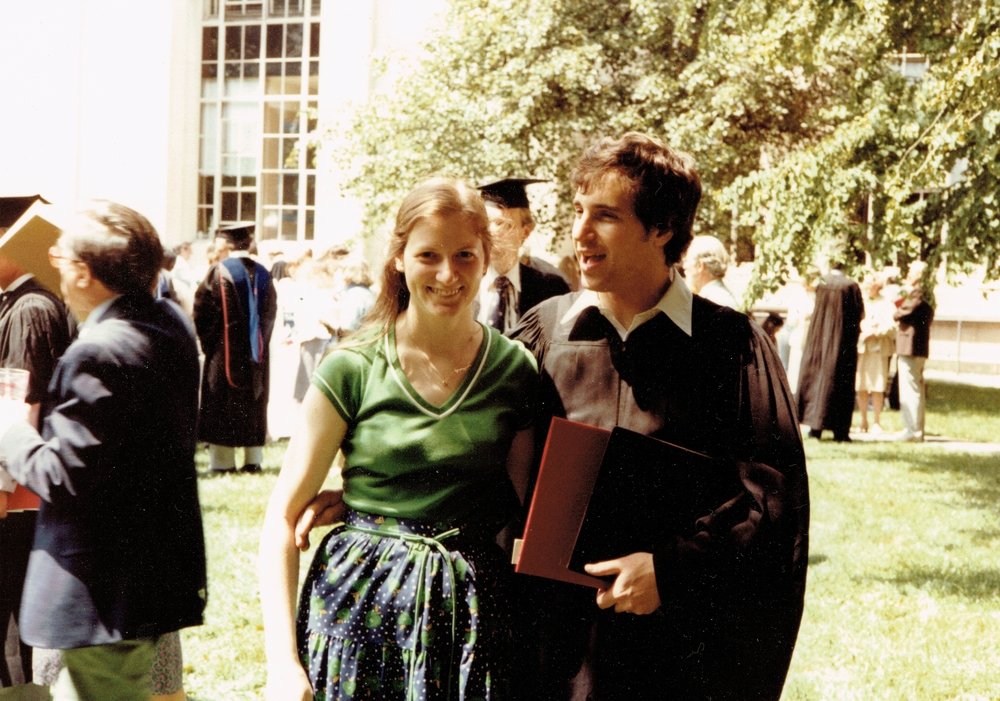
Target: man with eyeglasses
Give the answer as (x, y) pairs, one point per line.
(510, 288)
(118, 557)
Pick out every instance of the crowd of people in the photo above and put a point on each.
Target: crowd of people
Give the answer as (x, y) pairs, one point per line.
(436, 384)
(841, 356)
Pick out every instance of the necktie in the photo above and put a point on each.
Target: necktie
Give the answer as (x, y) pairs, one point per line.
(499, 314)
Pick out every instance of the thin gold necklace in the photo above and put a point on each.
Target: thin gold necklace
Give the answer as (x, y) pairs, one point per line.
(446, 383)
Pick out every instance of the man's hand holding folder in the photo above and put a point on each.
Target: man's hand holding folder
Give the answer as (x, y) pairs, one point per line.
(634, 589)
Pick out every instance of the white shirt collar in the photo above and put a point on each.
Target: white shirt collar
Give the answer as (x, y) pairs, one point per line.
(488, 295)
(239, 254)
(18, 282)
(675, 303)
(514, 275)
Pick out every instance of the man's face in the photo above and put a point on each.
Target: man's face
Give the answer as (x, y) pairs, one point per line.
(508, 235)
(694, 272)
(615, 251)
(70, 270)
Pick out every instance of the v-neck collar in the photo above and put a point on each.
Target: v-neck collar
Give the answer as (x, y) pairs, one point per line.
(456, 399)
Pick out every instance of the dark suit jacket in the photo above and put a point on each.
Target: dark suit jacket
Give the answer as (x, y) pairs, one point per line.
(119, 551)
(537, 287)
(914, 334)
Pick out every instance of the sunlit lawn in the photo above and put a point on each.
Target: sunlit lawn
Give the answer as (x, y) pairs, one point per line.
(904, 571)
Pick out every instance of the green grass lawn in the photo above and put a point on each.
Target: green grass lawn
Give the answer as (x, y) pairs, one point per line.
(904, 576)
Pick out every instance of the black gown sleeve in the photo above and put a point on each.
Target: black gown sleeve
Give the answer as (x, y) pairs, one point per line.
(751, 552)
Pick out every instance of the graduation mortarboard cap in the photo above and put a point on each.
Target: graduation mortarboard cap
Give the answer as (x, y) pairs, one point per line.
(508, 193)
(236, 234)
(11, 208)
(29, 227)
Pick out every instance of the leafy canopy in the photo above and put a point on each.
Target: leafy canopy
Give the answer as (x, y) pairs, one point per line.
(801, 122)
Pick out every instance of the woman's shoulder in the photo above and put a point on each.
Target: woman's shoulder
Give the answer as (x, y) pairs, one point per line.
(360, 353)
(507, 350)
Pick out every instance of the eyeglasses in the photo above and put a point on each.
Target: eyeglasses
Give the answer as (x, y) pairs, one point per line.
(55, 255)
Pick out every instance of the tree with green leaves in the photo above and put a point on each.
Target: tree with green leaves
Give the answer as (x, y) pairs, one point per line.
(805, 130)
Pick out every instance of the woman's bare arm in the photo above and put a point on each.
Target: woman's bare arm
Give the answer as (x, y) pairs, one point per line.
(307, 463)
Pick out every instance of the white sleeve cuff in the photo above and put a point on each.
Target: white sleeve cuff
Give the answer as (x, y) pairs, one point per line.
(7, 482)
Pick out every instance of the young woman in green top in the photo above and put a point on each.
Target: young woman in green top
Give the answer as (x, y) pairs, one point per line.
(432, 410)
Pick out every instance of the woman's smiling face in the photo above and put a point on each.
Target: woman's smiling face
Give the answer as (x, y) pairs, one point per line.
(443, 262)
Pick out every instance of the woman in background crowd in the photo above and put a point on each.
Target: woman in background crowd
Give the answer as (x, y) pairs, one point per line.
(876, 344)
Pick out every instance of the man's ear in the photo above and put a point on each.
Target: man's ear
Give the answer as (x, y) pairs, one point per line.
(662, 236)
(526, 231)
(84, 278)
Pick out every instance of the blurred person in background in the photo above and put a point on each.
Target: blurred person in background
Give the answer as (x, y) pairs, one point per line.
(356, 298)
(830, 358)
(915, 316)
(234, 312)
(876, 344)
(118, 559)
(510, 287)
(705, 264)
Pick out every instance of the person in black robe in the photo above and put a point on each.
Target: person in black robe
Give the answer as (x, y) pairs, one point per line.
(234, 310)
(709, 615)
(830, 358)
(35, 330)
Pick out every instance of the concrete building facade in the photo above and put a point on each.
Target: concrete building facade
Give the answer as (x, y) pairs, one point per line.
(196, 113)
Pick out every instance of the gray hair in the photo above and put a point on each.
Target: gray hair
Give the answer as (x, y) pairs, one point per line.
(710, 251)
(118, 244)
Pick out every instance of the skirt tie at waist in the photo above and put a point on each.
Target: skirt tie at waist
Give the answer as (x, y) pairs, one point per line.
(423, 546)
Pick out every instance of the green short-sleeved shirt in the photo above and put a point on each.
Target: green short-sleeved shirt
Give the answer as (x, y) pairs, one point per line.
(409, 459)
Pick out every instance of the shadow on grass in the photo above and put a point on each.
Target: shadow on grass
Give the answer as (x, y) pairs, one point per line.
(968, 583)
(982, 470)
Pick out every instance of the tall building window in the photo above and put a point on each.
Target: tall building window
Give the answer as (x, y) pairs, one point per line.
(259, 98)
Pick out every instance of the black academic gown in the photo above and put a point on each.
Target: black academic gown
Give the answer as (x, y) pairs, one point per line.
(233, 403)
(732, 596)
(538, 286)
(830, 357)
(35, 330)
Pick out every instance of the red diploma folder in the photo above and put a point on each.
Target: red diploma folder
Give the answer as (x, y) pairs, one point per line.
(22, 500)
(570, 462)
(605, 494)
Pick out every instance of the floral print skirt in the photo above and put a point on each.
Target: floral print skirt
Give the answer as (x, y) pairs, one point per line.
(404, 609)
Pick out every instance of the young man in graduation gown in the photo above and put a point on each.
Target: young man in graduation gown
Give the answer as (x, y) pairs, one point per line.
(510, 288)
(35, 330)
(826, 394)
(234, 311)
(118, 556)
(709, 615)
